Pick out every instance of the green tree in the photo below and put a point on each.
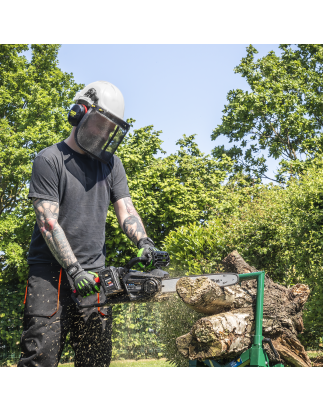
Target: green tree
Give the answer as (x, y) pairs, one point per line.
(282, 115)
(168, 192)
(34, 100)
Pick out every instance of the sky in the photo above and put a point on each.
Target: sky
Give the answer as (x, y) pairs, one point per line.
(179, 89)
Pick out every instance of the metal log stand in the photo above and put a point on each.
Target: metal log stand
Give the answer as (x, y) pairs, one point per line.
(256, 355)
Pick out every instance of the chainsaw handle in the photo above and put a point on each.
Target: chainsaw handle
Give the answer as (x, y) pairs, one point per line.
(134, 261)
(127, 267)
(75, 294)
(74, 298)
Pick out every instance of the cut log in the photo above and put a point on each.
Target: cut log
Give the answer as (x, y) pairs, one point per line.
(229, 330)
(216, 336)
(204, 295)
(318, 362)
(234, 263)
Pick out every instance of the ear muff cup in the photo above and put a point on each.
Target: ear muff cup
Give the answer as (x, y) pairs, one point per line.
(76, 113)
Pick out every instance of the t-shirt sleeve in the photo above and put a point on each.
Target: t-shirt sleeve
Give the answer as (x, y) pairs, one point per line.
(44, 180)
(119, 187)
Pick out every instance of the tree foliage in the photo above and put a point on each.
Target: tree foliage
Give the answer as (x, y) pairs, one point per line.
(34, 100)
(167, 192)
(281, 116)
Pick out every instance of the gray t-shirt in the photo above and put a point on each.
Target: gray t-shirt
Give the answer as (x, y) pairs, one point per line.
(83, 187)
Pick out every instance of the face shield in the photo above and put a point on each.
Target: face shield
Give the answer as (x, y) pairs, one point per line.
(100, 133)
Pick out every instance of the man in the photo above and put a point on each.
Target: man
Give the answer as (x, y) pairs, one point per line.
(71, 186)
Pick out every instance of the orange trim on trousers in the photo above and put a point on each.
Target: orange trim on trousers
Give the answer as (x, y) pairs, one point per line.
(99, 303)
(26, 293)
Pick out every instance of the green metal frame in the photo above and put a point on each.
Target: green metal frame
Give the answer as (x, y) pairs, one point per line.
(256, 355)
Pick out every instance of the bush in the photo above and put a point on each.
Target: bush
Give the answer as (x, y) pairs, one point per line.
(135, 331)
(195, 248)
(177, 319)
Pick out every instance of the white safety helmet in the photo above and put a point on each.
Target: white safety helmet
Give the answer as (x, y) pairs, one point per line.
(98, 118)
(103, 94)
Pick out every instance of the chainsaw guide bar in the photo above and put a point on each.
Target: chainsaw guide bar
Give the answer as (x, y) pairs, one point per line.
(222, 280)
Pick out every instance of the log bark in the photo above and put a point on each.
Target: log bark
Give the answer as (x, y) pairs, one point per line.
(318, 362)
(229, 328)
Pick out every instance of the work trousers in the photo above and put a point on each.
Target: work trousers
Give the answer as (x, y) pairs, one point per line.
(50, 314)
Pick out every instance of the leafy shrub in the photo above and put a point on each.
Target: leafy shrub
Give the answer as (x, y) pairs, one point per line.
(135, 331)
(195, 248)
(177, 319)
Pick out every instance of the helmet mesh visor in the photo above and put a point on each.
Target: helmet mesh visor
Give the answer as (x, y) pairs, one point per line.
(99, 136)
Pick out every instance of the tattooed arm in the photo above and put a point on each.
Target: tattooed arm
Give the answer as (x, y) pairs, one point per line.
(47, 216)
(129, 219)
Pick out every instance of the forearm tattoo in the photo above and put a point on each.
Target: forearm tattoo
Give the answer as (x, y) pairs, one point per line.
(47, 216)
(133, 226)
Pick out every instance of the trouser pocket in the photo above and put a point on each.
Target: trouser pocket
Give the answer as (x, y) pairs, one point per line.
(43, 290)
(42, 341)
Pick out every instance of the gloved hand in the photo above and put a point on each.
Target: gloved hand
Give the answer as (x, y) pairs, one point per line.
(146, 246)
(84, 282)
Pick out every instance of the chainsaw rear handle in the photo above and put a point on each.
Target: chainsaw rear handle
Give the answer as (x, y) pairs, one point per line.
(127, 267)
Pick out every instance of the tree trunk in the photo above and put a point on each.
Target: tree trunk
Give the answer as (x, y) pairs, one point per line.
(229, 328)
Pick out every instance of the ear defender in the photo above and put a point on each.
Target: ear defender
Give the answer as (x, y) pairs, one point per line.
(76, 114)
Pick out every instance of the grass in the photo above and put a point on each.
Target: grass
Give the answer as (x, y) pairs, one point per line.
(162, 362)
(314, 354)
(132, 363)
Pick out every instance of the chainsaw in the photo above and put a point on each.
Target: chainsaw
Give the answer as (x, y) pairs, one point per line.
(123, 285)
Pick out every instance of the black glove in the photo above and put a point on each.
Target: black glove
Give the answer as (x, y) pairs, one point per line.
(83, 281)
(146, 246)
